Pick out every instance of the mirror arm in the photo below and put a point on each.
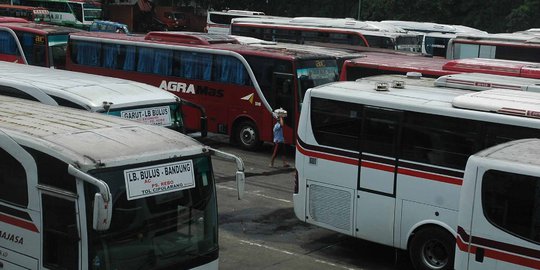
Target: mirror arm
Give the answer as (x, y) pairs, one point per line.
(240, 176)
(102, 186)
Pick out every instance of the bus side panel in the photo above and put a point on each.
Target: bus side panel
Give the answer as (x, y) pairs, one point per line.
(425, 201)
(19, 238)
(415, 214)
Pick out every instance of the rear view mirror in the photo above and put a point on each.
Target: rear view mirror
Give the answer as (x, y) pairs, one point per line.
(102, 213)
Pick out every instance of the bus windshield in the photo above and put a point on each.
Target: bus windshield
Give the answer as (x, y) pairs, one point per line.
(168, 230)
(58, 48)
(313, 73)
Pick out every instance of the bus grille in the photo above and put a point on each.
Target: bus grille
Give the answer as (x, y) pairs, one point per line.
(330, 206)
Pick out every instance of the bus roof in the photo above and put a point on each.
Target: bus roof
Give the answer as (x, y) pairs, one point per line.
(466, 81)
(39, 28)
(523, 152)
(509, 38)
(81, 88)
(402, 63)
(22, 7)
(429, 27)
(239, 12)
(89, 140)
(499, 104)
(495, 66)
(13, 20)
(171, 41)
(336, 52)
(321, 24)
(440, 66)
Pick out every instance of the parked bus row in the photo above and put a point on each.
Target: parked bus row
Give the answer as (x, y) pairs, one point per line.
(154, 59)
(439, 40)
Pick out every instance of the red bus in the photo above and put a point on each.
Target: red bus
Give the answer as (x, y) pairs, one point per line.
(41, 44)
(374, 63)
(238, 85)
(34, 14)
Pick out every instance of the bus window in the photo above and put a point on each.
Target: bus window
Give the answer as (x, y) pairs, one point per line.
(13, 181)
(8, 45)
(60, 233)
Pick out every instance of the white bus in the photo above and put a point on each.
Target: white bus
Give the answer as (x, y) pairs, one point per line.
(387, 166)
(118, 97)
(498, 224)
(219, 22)
(88, 191)
(327, 32)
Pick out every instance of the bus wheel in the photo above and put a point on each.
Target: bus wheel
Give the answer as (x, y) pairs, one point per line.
(432, 249)
(247, 135)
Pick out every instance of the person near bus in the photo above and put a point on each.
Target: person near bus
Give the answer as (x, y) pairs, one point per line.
(278, 137)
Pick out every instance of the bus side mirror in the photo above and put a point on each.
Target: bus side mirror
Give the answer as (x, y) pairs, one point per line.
(240, 184)
(102, 213)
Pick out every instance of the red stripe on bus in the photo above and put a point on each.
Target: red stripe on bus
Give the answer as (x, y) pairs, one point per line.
(340, 159)
(430, 176)
(500, 256)
(18, 223)
(378, 166)
(387, 168)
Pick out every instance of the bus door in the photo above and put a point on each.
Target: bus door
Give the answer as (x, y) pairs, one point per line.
(375, 203)
(19, 221)
(283, 86)
(60, 230)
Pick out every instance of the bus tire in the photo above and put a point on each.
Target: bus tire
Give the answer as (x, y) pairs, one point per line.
(247, 136)
(432, 249)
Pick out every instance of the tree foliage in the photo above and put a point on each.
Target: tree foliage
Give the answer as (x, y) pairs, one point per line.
(493, 16)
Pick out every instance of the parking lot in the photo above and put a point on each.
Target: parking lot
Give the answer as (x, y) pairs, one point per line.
(262, 232)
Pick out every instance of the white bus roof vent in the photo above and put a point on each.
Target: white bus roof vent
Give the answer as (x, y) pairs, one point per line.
(525, 104)
(480, 82)
(398, 84)
(414, 75)
(381, 86)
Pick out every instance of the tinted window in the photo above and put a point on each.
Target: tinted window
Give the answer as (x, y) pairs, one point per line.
(440, 140)
(379, 131)
(518, 53)
(12, 180)
(498, 133)
(379, 42)
(512, 202)
(67, 103)
(8, 44)
(336, 123)
(53, 172)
